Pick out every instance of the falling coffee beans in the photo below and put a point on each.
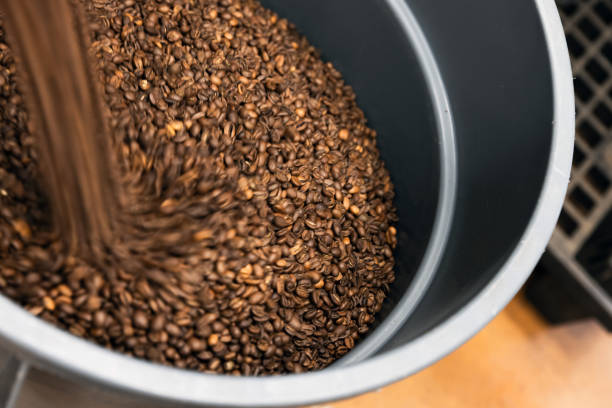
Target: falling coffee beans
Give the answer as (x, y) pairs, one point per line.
(257, 230)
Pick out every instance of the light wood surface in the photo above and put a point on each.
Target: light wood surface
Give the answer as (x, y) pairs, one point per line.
(516, 361)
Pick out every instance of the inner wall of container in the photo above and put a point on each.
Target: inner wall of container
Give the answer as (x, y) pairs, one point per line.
(500, 92)
(366, 43)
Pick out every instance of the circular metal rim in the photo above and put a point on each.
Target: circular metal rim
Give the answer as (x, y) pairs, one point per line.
(40, 342)
(446, 193)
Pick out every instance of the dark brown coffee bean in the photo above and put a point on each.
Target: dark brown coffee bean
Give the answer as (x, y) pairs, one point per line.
(173, 36)
(99, 318)
(158, 323)
(140, 319)
(173, 330)
(256, 298)
(196, 344)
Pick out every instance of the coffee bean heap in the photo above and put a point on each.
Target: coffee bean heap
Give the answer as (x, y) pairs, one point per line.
(257, 230)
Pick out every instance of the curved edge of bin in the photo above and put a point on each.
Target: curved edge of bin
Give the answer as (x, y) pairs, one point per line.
(40, 341)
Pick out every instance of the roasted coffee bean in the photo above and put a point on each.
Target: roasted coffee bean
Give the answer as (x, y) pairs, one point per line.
(257, 222)
(140, 320)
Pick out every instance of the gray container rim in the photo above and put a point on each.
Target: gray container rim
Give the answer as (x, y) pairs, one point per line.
(63, 353)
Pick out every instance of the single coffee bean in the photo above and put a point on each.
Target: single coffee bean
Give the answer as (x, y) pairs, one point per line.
(140, 319)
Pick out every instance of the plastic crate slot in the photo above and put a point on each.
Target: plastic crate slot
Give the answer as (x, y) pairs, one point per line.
(581, 200)
(598, 179)
(594, 255)
(589, 134)
(552, 289)
(569, 9)
(578, 157)
(596, 71)
(582, 90)
(602, 11)
(604, 114)
(588, 29)
(606, 50)
(574, 46)
(567, 224)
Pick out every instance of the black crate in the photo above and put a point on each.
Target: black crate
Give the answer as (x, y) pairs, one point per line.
(574, 278)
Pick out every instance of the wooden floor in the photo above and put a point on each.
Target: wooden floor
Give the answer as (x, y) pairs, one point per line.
(516, 361)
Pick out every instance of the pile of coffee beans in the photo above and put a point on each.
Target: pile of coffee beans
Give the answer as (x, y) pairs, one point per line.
(257, 230)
